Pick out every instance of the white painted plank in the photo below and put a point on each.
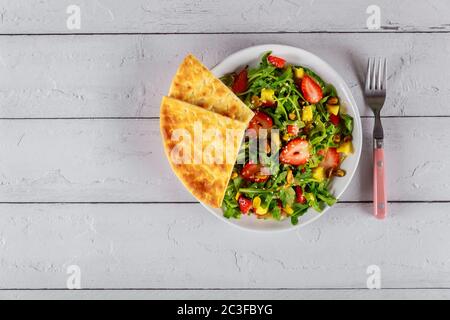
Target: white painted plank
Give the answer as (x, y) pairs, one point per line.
(126, 76)
(123, 160)
(24, 16)
(183, 246)
(322, 294)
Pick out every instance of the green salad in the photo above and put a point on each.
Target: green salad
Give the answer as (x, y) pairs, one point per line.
(308, 137)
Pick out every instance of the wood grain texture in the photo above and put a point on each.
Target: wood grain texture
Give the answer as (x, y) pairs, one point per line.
(183, 16)
(126, 76)
(169, 246)
(178, 250)
(123, 160)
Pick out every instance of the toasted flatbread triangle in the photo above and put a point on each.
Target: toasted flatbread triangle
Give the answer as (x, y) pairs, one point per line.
(195, 84)
(193, 160)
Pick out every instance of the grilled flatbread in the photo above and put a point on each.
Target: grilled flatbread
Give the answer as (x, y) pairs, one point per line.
(195, 84)
(201, 146)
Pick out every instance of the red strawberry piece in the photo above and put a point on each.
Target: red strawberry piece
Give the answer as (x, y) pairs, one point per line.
(245, 204)
(292, 130)
(240, 82)
(296, 152)
(335, 119)
(300, 198)
(279, 204)
(311, 90)
(276, 61)
(269, 104)
(331, 158)
(260, 120)
(253, 172)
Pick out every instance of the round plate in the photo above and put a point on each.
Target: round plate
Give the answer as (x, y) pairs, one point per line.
(251, 57)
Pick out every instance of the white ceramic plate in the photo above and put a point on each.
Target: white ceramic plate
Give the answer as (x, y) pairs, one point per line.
(251, 56)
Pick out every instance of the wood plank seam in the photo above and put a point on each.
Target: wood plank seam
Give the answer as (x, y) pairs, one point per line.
(386, 31)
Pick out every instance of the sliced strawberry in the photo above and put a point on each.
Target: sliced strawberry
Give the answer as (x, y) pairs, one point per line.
(245, 204)
(276, 61)
(292, 130)
(331, 158)
(300, 198)
(240, 82)
(335, 119)
(260, 120)
(253, 172)
(311, 90)
(296, 152)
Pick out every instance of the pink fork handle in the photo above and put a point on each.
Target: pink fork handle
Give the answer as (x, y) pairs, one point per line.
(379, 184)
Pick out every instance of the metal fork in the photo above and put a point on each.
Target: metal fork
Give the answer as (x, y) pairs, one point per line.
(375, 93)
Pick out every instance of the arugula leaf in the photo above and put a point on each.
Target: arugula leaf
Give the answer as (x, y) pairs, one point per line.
(348, 122)
(329, 91)
(287, 196)
(228, 79)
(276, 213)
(231, 213)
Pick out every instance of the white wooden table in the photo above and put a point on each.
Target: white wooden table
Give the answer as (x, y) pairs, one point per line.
(83, 179)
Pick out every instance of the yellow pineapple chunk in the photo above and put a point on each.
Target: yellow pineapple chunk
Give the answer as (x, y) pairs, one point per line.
(318, 174)
(288, 210)
(307, 114)
(256, 202)
(261, 210)
(268, 95)
(299, 73)
(333, 109)
(346, 148)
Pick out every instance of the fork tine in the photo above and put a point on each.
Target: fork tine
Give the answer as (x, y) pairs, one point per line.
(374, 74)
(385, 75)
(380, 72)
(368, 74)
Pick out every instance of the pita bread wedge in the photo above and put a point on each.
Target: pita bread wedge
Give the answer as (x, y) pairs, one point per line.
(195, 84)
(201, 146)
